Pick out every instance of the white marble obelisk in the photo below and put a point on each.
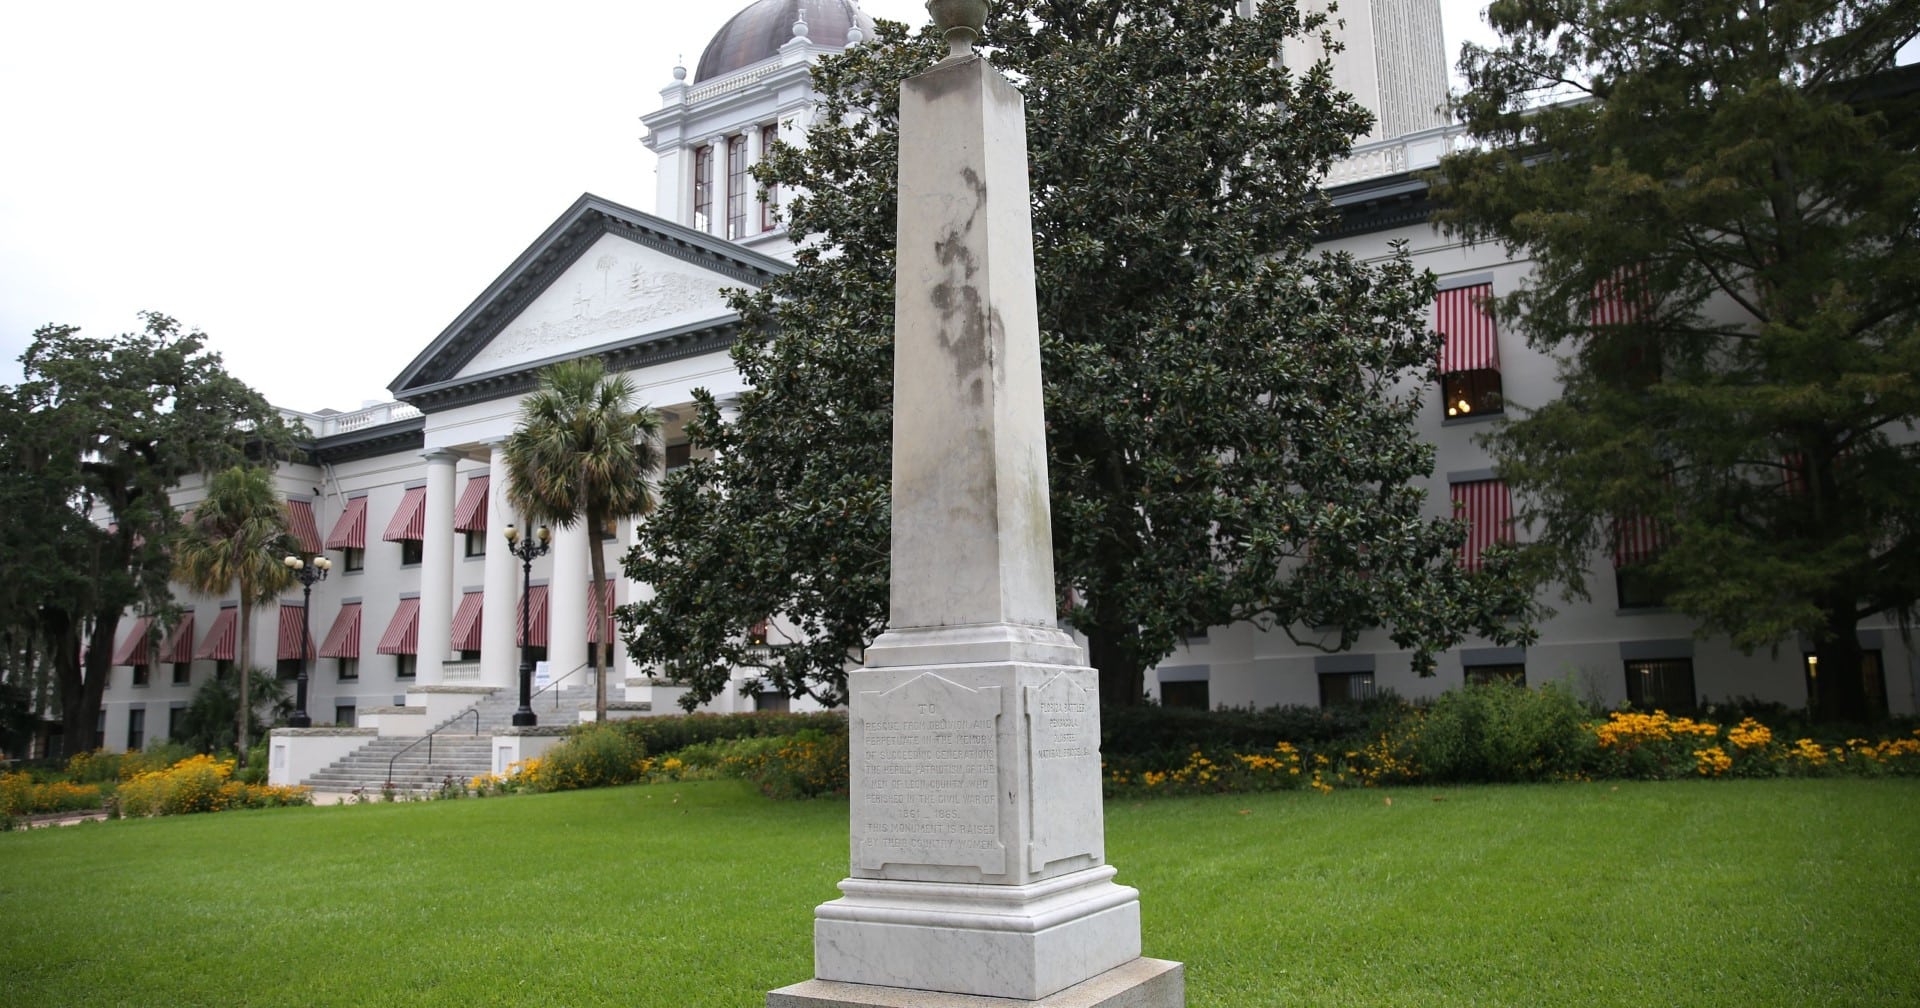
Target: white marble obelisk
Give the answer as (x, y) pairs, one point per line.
(977, 848)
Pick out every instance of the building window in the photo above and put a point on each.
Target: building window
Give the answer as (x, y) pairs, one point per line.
(174, 714)
(140, 675)
(1189, 695)
(1872, 678)
(772, 700)
(353, 558)
(349, 668)
(343, 715)
(477, 543)
(757, 634)
(1345, 689)
(182, 673)
(1487, 508)
(411, 551)
(1482, 675)
(736, 187)
(1640, 588)
(678, 455)
(1469, 352)
(469, 656)
(287, 669)
(223, 669)
(1661, 684)
(1472, 393)
(136, 728)
(703, 188)
(405, 665)
(769, 197)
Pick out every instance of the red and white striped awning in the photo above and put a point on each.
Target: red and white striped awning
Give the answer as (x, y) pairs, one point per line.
(179, 647)
(292, 620)
(136, 649)
(350, 532)
(1637, 539)
(1487, 508)
(1615, 303)
(403, 632)
(1464, 318)
(466, 622)
(218, 643)
(534, 634)
(410, 520)
(343, 640)
(300, 524)
(470, 515)
(600, 614)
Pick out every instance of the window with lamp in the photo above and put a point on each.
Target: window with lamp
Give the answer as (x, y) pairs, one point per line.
(1873, 680)
(1469, 352)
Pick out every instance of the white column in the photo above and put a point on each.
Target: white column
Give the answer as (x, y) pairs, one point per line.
(717, 216)
(436, 568)
(567, 604)
(500, 618)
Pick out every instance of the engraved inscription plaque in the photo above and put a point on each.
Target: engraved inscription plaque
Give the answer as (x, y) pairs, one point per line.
(929, 772)
(1063, 735)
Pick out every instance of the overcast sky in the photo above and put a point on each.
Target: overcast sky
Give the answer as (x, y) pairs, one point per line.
(320, 189)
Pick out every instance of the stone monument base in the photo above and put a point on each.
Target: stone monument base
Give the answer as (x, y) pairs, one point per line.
(1141, 983)
(1015, 942)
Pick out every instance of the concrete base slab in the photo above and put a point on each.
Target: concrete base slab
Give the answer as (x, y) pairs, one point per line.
(1141, 983)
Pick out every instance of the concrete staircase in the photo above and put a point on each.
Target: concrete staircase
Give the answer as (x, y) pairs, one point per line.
(457, 752)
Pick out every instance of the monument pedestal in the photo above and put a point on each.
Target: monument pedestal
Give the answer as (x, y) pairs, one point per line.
(978, 872)
(1140, 983)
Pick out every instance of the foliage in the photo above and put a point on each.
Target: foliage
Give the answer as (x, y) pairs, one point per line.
(238, 538)
(21, 795)
(1492, 733)
(672, 734)
(584, 451)
(597, 754)
(810, 764)
(106, 427)
(1741, 187)
(210, 722)
(200, 783)
(1230, 413)
(1171, 731)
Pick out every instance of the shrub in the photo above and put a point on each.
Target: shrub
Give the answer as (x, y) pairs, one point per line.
(807, 764)
(21, 795)
(200, 784)
(593, 755)
(1492, 733)
(672, 734)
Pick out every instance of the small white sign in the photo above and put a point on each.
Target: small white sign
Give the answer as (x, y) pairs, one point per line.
(542, 675)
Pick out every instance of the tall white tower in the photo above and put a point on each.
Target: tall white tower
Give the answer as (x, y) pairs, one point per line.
(749, 89)
(1394, 61)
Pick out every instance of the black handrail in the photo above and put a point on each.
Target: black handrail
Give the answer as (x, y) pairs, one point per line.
(551, 683)
(428, 739)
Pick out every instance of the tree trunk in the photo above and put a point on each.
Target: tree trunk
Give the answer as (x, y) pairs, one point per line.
(1839, 684)
(597, 563)
(80, 682)
(244, 656)
(1122, 679)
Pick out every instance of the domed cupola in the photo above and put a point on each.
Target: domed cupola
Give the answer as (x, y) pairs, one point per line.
(758, 32)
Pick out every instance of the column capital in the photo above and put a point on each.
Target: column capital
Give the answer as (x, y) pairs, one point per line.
(446, 455)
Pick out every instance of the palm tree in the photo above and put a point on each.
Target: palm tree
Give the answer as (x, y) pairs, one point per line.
(584, 451)
(237, 537)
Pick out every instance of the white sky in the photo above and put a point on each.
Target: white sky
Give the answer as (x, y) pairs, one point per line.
(321, 189)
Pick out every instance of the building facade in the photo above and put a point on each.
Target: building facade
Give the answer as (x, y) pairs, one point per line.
(407, 498)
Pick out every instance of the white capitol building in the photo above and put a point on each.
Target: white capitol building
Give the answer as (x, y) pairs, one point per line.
(406, 500)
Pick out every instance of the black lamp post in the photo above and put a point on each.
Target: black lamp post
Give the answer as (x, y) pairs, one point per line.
(308, 573)
(526, 550)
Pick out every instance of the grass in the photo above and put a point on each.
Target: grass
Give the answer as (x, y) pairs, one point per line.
(1731, 893)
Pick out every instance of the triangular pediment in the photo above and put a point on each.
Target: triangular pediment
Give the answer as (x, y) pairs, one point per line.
(603, 279)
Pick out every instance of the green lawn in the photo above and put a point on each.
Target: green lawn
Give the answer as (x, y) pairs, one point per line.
(1728, 893)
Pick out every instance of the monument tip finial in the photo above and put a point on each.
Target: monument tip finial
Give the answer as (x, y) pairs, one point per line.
(960, 21)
